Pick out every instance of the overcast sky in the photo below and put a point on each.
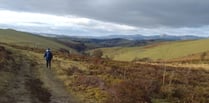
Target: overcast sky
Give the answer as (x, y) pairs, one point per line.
(107, 17)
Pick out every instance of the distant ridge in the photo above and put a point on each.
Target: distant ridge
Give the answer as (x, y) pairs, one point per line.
(154, 37)
(129, 37)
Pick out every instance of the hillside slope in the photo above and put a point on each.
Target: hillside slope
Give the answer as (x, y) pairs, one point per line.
(85, 79)
(29, 40)
(167, 50)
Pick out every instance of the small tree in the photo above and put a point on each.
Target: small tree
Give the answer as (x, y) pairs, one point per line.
(98, 53)
(203, 55)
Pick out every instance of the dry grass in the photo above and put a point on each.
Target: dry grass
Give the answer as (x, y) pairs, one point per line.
(123, 82)
(106, 81)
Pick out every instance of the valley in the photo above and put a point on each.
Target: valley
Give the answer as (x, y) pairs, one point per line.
(81, 78)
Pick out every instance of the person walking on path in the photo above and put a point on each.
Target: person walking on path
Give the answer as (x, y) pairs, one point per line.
(48, 56)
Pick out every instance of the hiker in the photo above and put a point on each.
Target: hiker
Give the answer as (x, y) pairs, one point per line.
(48, 56)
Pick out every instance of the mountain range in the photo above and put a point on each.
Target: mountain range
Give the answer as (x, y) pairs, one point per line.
(153, 37)
(131, 37)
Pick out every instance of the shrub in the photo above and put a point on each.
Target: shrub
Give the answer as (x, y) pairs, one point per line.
(133, 91)
(72, 70)
(98, 53)
(203, 55)
(88, 81)
(146, 59)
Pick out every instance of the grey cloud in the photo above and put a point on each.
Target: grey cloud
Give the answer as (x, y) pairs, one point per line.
(140, 13)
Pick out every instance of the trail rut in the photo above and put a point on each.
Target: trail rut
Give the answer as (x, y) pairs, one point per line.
(33, 82)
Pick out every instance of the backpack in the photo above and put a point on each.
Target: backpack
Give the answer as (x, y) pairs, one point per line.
(49, 55)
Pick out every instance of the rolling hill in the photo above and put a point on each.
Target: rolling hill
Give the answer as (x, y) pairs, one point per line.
(118, 49)
(167, 50)
(30, 40)
(83, 44)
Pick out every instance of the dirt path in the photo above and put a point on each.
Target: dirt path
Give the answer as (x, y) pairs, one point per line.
(17, 90)
(34, 83)
(56, 88)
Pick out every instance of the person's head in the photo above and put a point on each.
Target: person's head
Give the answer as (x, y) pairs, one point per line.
(48, 49)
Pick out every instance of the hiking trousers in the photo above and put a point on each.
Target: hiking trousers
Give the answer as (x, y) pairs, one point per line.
(48, 64)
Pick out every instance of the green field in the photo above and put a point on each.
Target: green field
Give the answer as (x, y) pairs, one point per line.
(168, 50)
(29, 40)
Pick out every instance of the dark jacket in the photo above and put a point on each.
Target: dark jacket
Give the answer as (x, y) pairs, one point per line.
(48, 55)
